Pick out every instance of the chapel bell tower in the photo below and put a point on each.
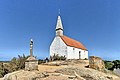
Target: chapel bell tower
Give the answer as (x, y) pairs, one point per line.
(59, 27)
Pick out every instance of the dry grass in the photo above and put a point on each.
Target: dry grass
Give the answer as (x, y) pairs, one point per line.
(48, 68)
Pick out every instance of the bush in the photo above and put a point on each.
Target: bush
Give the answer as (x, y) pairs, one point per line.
(13, 65)
(40, 61)
(85, 59)
(21, 61)
(18, 63)
(57, 57)
(1, 70)
(62, 58)
(116, 64)
(110, 65)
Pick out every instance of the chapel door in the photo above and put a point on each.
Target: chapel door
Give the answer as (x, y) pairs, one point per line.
(79, 54)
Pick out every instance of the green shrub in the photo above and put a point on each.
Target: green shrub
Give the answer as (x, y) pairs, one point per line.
(85, 59)
(21, 61)
(1, 70)
(110, 65)
(40, 61)
(57, 57)
(62, 58)
(13, 65)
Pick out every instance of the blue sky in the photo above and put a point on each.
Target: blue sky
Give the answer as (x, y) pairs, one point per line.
(95, 23)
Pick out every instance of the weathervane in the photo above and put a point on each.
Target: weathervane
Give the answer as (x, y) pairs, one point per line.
(59, 11)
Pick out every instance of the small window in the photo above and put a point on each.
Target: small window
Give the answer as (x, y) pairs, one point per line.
(73, 48)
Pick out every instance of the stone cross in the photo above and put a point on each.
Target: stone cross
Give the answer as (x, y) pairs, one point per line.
(31, 48)
(31, 63)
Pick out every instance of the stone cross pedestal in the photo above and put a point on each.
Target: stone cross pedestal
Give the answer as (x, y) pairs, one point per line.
(31, 63)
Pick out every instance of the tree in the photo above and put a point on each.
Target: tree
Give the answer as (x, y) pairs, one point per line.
(108, 65)
(111, 65)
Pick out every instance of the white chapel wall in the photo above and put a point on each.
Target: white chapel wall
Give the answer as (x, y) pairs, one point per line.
(58, 47)
(75, 53)
(84, 54)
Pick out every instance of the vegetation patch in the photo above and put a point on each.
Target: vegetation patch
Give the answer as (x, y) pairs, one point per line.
(57, 58)
(111, 65)
(13, 65)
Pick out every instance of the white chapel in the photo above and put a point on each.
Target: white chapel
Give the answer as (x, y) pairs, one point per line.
(65, 46)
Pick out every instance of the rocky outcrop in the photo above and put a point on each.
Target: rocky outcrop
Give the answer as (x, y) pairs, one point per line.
(96, 63)
(76, 71)
(117, 71)
(87, 74)
(69, 73)
(23, 75)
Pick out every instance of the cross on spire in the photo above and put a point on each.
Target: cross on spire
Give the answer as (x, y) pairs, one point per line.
(59, 11)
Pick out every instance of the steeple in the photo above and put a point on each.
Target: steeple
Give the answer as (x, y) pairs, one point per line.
(59, 27)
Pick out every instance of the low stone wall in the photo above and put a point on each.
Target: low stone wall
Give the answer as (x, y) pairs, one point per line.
(96, 63)
(31, 65)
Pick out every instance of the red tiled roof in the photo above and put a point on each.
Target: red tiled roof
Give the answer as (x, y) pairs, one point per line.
(73, 43)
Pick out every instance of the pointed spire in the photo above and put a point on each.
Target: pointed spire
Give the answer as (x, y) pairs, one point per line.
(59, 27)
(59, 23)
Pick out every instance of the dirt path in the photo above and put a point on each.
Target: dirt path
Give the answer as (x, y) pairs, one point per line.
(43, 68)
(47, 68)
